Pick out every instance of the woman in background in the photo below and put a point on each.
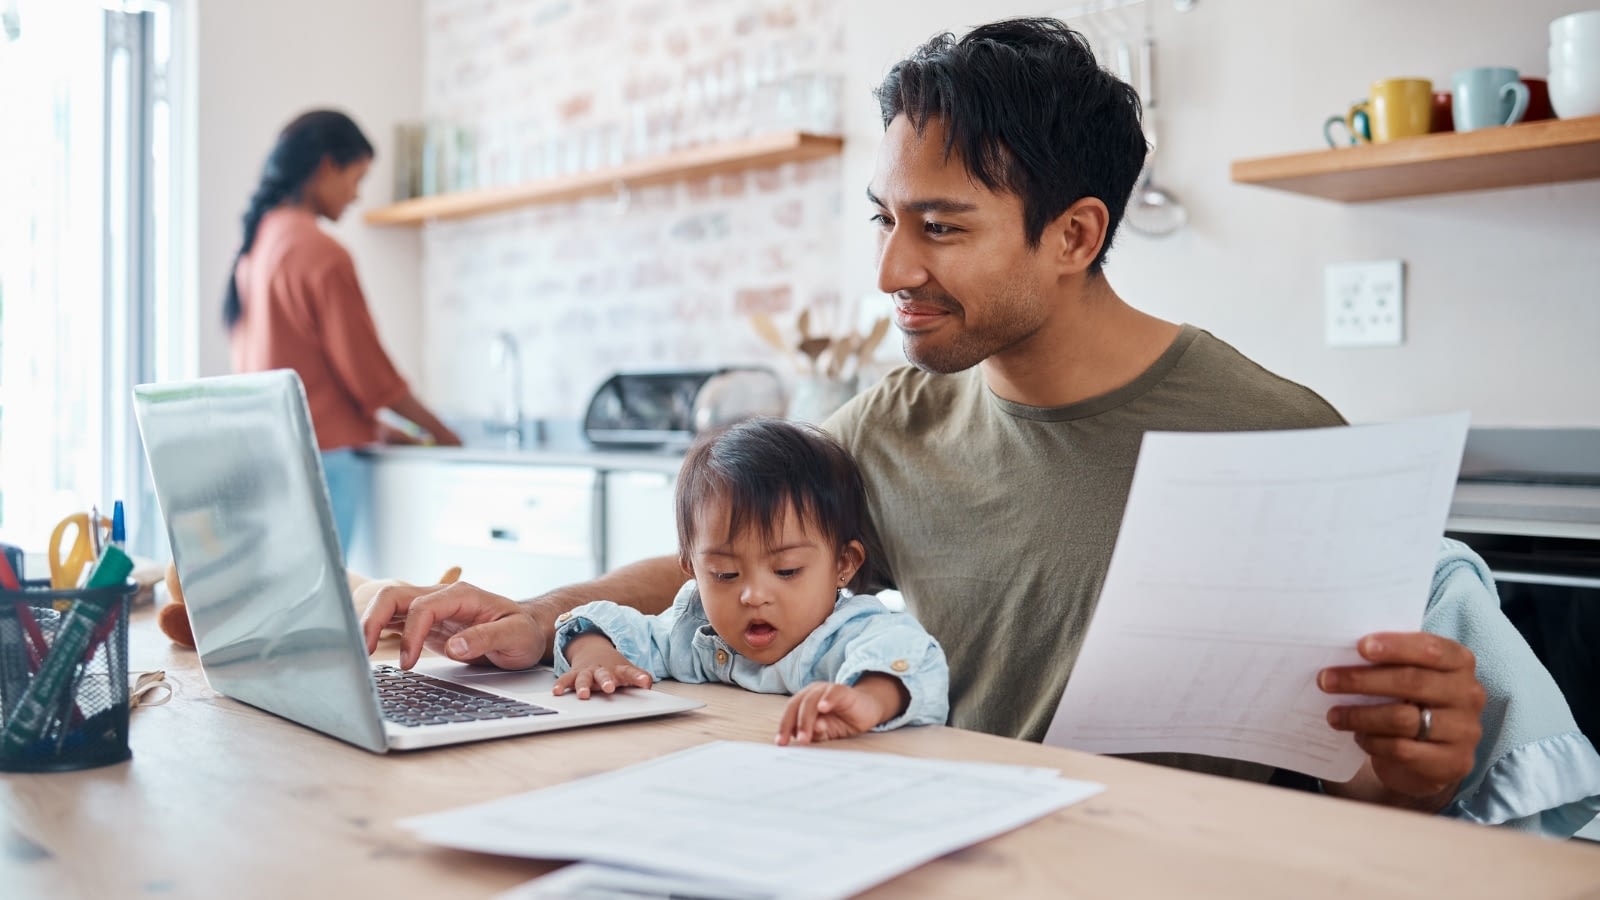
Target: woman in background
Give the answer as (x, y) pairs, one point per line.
(293, 302)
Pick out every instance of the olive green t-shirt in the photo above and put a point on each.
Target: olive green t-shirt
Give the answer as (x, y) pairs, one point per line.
(997, 520)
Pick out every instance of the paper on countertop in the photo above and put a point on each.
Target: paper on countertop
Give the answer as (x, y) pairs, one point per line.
(775, 822)
(594, 881)
(1246, 562)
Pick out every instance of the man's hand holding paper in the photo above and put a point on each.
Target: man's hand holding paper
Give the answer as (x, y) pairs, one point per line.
(1422, 743)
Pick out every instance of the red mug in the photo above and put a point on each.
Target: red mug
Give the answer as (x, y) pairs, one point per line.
(1443, 118)
(1538, 100)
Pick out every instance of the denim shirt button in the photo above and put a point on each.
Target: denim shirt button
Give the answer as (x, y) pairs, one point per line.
(899, 665)
(563, 617)
(722, 657)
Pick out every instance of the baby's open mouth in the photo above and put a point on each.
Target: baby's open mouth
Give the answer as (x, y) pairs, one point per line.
(759, 634)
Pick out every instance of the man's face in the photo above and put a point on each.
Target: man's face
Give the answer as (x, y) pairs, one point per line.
(953, 253)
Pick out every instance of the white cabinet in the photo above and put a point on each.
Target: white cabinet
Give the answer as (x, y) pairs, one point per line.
(640, 517)
(516, 530)
(391, 540)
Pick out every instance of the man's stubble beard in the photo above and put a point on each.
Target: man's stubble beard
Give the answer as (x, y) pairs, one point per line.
(962, 355)
(968, 348)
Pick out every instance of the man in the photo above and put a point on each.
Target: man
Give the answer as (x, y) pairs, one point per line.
(999, 466)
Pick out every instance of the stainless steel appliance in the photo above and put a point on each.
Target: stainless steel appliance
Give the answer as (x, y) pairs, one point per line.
(655, 409)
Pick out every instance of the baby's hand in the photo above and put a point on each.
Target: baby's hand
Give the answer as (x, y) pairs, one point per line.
(825, 711)
(596, 663)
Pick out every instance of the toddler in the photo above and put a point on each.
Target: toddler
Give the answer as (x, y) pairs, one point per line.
(773, 534)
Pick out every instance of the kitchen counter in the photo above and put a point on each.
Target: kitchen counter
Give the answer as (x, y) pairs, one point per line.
(1548, 510)
(664, 461)
(1538, 510)
(1534, 482)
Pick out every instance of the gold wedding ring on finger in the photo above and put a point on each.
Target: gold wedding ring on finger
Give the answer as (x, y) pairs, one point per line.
(1424, 723)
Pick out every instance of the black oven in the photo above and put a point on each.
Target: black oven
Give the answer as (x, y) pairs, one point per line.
(1529, 503)
(1550, 589)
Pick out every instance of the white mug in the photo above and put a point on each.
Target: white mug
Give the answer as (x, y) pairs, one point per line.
(1579, 26)
(1575, 90)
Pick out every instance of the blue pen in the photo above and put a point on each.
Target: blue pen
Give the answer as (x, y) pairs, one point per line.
(119, 533)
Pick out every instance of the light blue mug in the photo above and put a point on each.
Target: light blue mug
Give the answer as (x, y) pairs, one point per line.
(1488, 97)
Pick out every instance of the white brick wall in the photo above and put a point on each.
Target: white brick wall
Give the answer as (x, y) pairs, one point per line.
(594, 286)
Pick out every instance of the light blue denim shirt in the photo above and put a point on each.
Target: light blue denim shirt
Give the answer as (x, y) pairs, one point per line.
(1534, 770)
(860, 636)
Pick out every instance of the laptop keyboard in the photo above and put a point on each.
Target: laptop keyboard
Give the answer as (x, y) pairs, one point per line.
(411, 698)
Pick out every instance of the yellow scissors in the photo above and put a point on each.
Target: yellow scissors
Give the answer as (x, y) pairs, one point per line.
(67, 561)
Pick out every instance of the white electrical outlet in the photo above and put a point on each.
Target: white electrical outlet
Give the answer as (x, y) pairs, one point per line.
(1365, 303)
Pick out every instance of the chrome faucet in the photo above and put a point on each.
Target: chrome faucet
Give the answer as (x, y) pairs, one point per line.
(505, 355)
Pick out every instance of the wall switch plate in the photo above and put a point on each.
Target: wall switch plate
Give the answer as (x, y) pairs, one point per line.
(1365, 303)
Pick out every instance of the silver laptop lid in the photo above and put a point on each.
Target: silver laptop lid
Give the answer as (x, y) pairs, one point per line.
(239, 479)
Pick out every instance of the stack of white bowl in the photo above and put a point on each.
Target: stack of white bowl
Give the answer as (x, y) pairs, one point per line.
(1575, 64)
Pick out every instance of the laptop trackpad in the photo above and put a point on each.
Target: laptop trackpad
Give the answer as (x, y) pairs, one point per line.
(535, 686)
(527, 684)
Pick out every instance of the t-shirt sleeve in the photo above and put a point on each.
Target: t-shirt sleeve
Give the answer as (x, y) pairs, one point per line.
(355, 354)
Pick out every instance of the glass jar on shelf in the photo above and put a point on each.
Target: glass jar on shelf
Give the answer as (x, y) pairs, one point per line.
(409, 138)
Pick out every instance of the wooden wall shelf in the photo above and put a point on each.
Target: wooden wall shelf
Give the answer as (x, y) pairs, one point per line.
(1531, 153)
(761, 151)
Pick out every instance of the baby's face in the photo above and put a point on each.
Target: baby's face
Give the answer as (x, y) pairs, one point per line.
(765, 600)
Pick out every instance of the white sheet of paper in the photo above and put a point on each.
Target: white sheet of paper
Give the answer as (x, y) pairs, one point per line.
(778, 821)
(597, 881)
(1246, 562)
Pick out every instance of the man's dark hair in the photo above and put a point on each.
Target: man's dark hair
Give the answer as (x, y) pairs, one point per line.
(762, 465)
(1030, 112)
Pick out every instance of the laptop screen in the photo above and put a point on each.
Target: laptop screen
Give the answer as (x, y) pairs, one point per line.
(239, 479)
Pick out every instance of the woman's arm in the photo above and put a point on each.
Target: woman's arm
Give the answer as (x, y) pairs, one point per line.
(413, 410)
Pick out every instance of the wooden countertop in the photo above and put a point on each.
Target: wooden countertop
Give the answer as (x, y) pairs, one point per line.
(223, 800)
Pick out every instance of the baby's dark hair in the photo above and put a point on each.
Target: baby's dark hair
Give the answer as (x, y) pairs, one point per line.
(758, 467)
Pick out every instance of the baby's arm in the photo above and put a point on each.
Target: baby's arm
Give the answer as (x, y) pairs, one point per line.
(884, 671)
(596, 665)
(604, 646)
(828, 710)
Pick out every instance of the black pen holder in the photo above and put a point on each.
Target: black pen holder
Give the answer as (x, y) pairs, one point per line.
(63, 678)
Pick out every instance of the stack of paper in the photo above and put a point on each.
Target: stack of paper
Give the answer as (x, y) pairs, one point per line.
(742, 820)
(1246, 563)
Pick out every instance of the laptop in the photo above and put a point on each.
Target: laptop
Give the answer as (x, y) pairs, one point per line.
(239, 480)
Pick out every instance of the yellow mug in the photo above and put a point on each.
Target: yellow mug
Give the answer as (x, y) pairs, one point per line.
(1395, 108)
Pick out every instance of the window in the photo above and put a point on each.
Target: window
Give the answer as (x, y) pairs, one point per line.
(89, 301)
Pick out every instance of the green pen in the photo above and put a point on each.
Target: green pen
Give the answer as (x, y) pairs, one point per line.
(43, 696)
